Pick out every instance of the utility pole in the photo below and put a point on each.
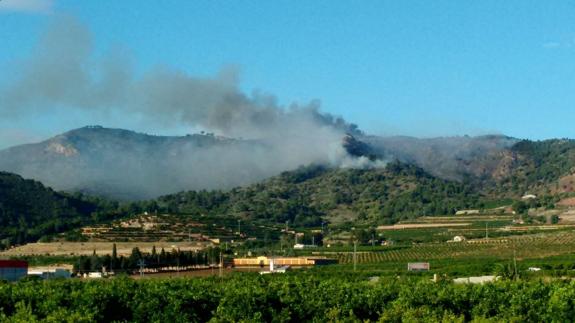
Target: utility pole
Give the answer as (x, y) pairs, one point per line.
(486, 232)
(312, 240)
(354, 255)
(142, 264)
(515, 263)
(221, 264)
(239, 228)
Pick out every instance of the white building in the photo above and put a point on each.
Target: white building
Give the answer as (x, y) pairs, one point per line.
(458, 239)
(476, 280)
(274, 269)
(467, 212)
(50, 274)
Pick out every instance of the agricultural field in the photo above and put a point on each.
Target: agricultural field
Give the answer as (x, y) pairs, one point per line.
(101, 248)
(445, 228)
(527, 246)
(425, 239)
(487, 241)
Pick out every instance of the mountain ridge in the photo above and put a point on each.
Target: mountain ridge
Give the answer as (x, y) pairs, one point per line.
(87, 158)
(128, 165)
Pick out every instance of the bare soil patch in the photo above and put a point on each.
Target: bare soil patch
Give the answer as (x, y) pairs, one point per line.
(569, 202)
(101, 248)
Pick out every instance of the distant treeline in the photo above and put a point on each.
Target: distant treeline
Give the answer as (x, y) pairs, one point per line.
(155, 260)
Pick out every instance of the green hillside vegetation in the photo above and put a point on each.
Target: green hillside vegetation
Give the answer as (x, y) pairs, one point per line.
(310, 195)
(539, 165)
(30, 211)
(305, 197)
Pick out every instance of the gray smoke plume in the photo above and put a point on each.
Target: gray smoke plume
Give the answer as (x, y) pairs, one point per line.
(62, 73)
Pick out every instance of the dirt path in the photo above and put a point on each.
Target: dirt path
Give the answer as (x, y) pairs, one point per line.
(421, 225)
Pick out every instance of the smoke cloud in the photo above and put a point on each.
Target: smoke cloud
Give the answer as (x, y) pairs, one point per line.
(62, 73)
(30, 6)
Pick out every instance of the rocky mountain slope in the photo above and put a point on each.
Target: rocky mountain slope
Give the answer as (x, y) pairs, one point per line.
(127, 165)
(454, 158)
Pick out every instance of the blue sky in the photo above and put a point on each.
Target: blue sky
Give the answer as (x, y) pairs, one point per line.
(421, 68)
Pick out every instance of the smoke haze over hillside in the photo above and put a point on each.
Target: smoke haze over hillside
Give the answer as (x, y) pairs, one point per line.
(63, 75)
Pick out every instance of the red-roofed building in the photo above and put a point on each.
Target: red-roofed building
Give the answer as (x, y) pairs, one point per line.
(13, 270)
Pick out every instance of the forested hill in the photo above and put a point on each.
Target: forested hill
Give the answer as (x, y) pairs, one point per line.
(131, 166)
(29, 210)
(544, 167)
(310, 195)
(497, 165)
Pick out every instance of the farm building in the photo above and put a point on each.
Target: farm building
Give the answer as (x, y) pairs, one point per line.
(418, 266)
(476, 280)
(95, 275)
(275, 270)
(458, 239)
(303, 246)
(282, 261)
(51, 273)
(529, 197)
(13, 270)
(467, 212)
